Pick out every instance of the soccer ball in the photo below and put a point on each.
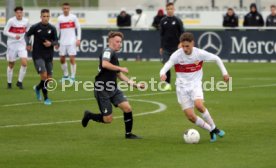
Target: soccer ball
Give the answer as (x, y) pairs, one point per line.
(191, 136)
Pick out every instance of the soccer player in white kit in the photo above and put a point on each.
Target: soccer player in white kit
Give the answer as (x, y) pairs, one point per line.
(188, 61)
(15, 29)
(68, 39)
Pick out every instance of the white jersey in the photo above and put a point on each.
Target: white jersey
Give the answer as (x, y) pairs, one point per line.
(16, 27)
(66, 28)
(188, 68)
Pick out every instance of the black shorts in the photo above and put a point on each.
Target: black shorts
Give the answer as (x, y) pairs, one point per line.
(105, 100)
(42, 65)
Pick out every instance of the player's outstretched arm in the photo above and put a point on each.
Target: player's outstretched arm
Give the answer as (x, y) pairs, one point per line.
(124, 78)
(107, 65)
(211, 57)
(165, 69)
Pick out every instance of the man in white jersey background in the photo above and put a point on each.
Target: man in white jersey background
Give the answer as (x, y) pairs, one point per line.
(188, 61)
(15, 29)
(68, 40)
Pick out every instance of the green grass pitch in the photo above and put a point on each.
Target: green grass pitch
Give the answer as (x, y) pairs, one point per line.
(33, 135)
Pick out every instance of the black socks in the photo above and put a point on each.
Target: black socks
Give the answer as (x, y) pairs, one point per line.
(128, 119)
(44, 88)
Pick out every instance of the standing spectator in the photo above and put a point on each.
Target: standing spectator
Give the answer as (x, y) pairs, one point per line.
(123, 19)
(157, 19)
(271, 19)
(253, 18)
(230, 19)
(139, 20)
(171, 28)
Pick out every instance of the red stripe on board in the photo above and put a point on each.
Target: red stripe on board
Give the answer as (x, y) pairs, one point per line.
(18, 30)
(67, 25)
(188, 67)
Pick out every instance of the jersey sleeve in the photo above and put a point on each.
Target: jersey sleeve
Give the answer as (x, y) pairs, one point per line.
(58, 27)
(207, 56)
(78, 28)
(7, 28)
(107, 54)
(168, 65)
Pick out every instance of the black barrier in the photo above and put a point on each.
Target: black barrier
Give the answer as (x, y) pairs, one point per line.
(228, 44)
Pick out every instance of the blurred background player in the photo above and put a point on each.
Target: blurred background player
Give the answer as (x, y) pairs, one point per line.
(45, 38)
(106, 90)
(230, 19)
(69, 40)
(188, 61)
(15, 29)
(157, 19)
(171, 27)
(253, 18)
(271, 19)
(123, 19)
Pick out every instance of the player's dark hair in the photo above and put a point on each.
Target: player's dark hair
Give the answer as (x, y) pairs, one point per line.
(66, 4)
(44, 11)
(169, 4)
(18, 8)
(187, 36)
(273, 6)
(112, 34)
(230, 9)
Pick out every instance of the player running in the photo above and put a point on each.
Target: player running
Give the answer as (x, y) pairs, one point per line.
(15, 29)
(188, 61)
(45, 38)
(69, 40)
(106, 90)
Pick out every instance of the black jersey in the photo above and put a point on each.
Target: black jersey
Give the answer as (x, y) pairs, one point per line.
(41, 33)
(271, 20)
(171, 29)
(107, 78)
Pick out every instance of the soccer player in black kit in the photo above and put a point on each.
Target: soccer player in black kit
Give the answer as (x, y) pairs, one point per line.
(171, 27)
(45, 38)
(106, 90)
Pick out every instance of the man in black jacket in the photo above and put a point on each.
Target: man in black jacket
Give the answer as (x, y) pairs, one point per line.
(271, 19)
(171, 28)
(253, 18)
(230, 19)
(123, 19)
(45, 38)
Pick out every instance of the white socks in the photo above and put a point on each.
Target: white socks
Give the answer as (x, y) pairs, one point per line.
(73, 70)
(22, 73)
(9, 74)
(64, 68)
(207, 117)
(201, 123)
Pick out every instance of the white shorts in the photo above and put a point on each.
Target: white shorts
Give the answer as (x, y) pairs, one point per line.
(67, 50)
(13, 52)
(186, 96)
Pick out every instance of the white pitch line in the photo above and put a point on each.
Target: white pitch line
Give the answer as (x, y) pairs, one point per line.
(82, 99)
(254, 86)
(162, 107)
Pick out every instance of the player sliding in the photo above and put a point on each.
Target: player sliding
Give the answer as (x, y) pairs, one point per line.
(188, 61)
(106, 91)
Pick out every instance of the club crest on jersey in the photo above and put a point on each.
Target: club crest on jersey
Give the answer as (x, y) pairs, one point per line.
(173, 23)
(49, 31)
(39, 30)
(197, 62)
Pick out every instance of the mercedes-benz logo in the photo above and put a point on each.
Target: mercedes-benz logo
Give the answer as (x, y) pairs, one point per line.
(3, 46)
(211, 42)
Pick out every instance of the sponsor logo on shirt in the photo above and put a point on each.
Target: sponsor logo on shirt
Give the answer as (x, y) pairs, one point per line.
(67, 25)
(18, 30)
